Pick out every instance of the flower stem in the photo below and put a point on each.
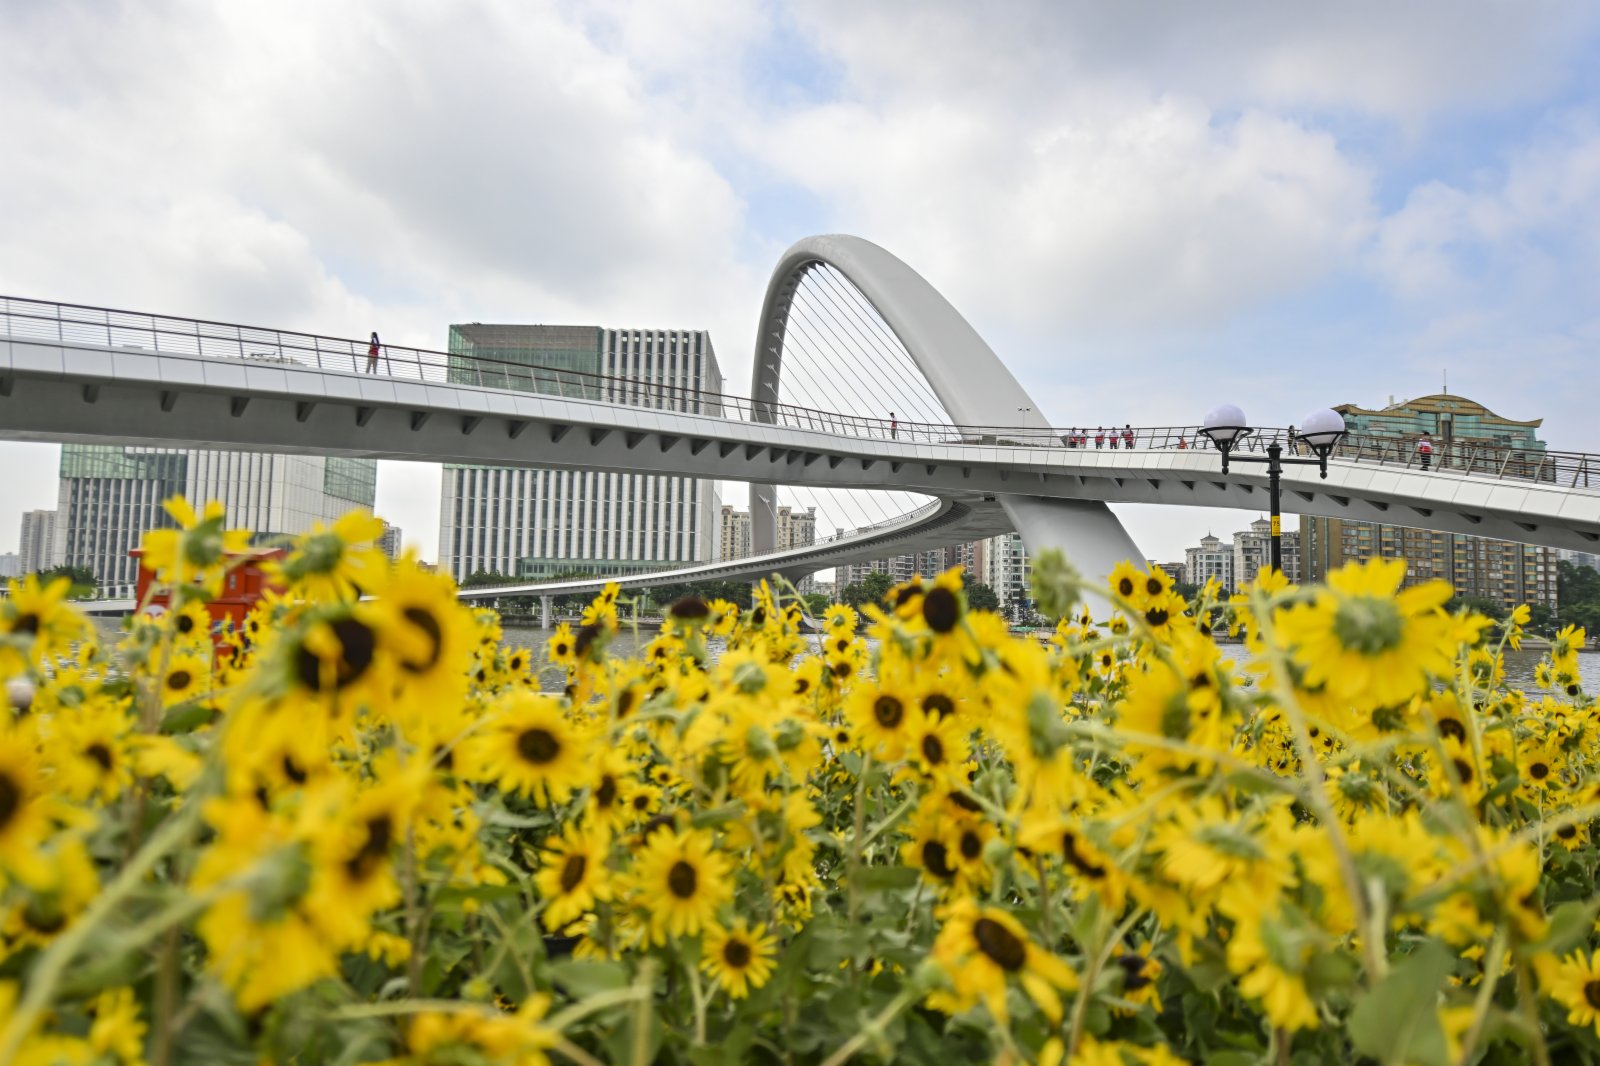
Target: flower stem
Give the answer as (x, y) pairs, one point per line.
(873, 1028)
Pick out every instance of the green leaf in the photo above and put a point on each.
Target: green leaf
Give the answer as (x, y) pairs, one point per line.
(881, 878)
(1397, 1022)
(581, 978)
(187, 717)
(1232, 1058)
(1569, 928)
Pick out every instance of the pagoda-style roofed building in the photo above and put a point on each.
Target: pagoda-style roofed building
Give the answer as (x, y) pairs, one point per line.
(1447, 419)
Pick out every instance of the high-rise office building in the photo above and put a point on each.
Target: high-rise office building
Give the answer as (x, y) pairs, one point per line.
(109, 496)
(38, 551)
(10, 565)
(541, 523)
(1466, 436)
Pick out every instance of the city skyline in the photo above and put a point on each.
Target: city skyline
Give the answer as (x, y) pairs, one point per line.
(1220, 213)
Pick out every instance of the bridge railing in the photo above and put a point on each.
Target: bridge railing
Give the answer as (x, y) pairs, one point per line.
(916, 514)
(81, 324)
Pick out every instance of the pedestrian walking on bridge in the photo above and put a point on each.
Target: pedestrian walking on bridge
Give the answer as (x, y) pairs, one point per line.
(372, 353)
(1425, 452)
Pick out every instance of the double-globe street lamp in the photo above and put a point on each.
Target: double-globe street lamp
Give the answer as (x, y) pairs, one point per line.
(1321, 431)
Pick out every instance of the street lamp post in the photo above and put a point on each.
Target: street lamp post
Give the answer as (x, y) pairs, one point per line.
(1321, 431)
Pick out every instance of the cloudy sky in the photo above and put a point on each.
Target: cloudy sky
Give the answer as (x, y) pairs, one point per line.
(1147, 208)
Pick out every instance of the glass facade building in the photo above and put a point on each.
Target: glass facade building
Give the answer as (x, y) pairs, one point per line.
(109, 496)
(543, 523)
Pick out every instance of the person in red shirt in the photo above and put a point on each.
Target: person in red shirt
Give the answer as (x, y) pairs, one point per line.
(1100, 437)
(1425, 452)
(372, 354)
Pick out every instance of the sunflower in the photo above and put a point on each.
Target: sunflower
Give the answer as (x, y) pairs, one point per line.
(431, 634)
(879, 714)
(186, 677)
(352, 876)
(533, 748)
(190, 624)
(980, 948)
(337, 563)
(339, 655)
(117, 1029)
(90, 751)
(562, 649)
(1369, 642)
(680, 881)
(936, 746)
(66, 885)
(572, 876)
(38, 621)
(194, 555)
(24, 817)
(739, 958)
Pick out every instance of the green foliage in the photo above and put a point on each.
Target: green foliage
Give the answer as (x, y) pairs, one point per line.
(870, 589)
(980, 597)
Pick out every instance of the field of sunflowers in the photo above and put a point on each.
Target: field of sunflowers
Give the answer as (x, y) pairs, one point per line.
(355, 830)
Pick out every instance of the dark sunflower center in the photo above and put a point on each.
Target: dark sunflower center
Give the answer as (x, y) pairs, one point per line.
(889, 711)
(572, 871)
(941, 610)
(971, 844)
(936, 857)
(1133, 975)
(538, 745)
(625, 701)
(933, 749)
(1152, 585)
(1080, 862)
(997, 942)
(27, 622)
(380, 834)
(424, 620)
(736, 953)
(293, 770)
(1567, 832)
(939, 703)
(1539, 771)
(357, 644)
(1449, 727)
(690, 609)
(1463, 770)
(100, 754)
(586, 637)
(185, 624)
(1591, 994)
(179, 680)
(606, 794)
(682, 880)
(1156, 616)
(1125, 586)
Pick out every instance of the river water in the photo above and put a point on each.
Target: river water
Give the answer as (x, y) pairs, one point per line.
(1519, 664)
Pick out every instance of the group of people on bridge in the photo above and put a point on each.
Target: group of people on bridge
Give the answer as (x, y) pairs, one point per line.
(1079, 438)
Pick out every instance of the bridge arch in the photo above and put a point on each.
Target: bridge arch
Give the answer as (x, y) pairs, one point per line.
(971, 383)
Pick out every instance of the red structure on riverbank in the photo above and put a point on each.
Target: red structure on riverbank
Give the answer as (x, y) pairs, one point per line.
(247, 582)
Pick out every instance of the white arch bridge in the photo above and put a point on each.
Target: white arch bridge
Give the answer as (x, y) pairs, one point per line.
(983, 450)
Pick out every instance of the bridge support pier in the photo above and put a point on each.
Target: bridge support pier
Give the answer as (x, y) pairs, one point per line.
(547, 612)
(1092, 537)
